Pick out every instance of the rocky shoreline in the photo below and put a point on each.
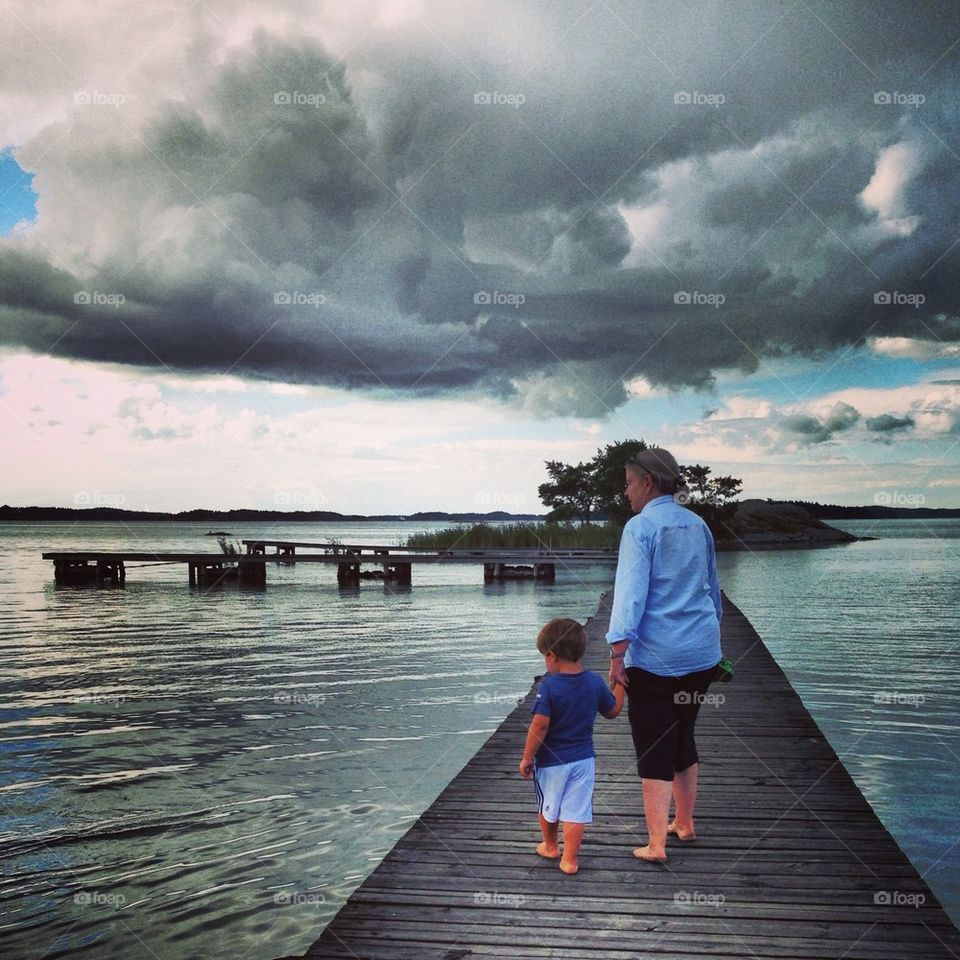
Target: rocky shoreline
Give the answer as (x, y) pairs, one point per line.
(758, 524)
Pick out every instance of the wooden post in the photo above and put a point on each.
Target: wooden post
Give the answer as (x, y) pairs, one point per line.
(545, 571)
(210, 573)
(192, 568)
(348, 574)
(252, 574)
(489, 574)
(76, 571)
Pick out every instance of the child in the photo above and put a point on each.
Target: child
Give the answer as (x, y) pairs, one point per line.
(559, 753)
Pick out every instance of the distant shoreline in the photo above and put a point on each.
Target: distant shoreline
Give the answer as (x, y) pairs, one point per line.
(10, 514)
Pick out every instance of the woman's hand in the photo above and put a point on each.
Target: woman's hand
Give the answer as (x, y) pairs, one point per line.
(618, 673)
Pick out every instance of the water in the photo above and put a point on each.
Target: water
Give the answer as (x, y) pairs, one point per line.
(869, 636)
(192, 773)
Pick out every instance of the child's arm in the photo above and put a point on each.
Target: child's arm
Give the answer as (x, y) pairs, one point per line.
(618, 691)
(535, 735)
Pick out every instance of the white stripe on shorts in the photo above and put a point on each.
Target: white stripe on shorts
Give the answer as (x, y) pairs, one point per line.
(565, 791)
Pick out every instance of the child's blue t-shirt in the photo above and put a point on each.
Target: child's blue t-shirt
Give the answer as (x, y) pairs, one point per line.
(571, 701)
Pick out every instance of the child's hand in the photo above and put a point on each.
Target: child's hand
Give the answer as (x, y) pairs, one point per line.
(526, 769)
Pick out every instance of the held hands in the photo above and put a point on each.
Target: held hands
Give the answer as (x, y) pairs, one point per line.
(617, 674)
(526, 769)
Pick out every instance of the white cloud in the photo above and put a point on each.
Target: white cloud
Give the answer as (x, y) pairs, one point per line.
(641, 387)
(736, 407)
(157, 440)
(896, 166)
(914, 349)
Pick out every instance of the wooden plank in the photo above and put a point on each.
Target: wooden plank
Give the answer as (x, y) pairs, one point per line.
(791, 861)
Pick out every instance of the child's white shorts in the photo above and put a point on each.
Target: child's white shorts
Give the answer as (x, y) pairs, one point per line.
(565, 791)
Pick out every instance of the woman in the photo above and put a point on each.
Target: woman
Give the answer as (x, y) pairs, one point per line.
(664, 640)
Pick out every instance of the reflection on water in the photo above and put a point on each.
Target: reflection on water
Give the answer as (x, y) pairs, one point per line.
(207, 773)
(868, 634)
(212, 772)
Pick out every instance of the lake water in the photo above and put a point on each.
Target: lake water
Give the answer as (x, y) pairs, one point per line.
(869, 635)
(206, 773)
(211, 773)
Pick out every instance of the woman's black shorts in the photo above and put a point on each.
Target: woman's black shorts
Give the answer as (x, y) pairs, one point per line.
(663, 711)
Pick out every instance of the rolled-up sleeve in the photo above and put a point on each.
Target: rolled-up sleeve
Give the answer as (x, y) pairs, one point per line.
(630, 587)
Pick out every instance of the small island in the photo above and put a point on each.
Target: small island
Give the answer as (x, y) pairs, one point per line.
(756, 524)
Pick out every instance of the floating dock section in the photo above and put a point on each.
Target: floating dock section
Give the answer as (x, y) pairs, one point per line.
(790, 861)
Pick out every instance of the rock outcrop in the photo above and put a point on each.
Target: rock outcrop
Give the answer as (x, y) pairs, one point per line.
(760, 523)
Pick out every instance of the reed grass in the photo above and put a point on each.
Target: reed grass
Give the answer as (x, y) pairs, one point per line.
(528, 536)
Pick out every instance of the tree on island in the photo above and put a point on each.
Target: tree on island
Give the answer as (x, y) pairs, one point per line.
(581, 491)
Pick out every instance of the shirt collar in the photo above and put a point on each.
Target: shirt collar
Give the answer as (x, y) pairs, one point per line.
(664, 498)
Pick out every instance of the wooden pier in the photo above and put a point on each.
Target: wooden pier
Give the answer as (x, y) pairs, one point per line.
(790, 861)
(390, 562)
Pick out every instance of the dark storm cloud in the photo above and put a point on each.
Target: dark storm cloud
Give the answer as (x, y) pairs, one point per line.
(367, 224)
(887, 423)
(812, 429)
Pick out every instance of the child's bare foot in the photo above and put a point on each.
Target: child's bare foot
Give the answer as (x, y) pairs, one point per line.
(644, 853)
(551, 853)
(687, 836)
(569, 866)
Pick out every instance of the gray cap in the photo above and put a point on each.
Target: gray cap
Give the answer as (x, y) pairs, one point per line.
(660, 463)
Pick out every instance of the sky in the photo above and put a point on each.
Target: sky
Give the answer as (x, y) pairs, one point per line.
(391, 256)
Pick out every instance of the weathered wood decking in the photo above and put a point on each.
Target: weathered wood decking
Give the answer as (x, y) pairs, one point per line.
(395, 563)
(791, 861)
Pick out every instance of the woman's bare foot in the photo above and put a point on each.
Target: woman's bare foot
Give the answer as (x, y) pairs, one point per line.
(569, 866)
(644, 853)
(551, 853)
(687, 836)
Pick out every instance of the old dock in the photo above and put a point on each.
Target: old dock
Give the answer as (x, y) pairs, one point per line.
(790, 862)
(390, 562)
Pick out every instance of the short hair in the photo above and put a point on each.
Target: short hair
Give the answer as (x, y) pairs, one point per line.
(662, 485)
(564, 637)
